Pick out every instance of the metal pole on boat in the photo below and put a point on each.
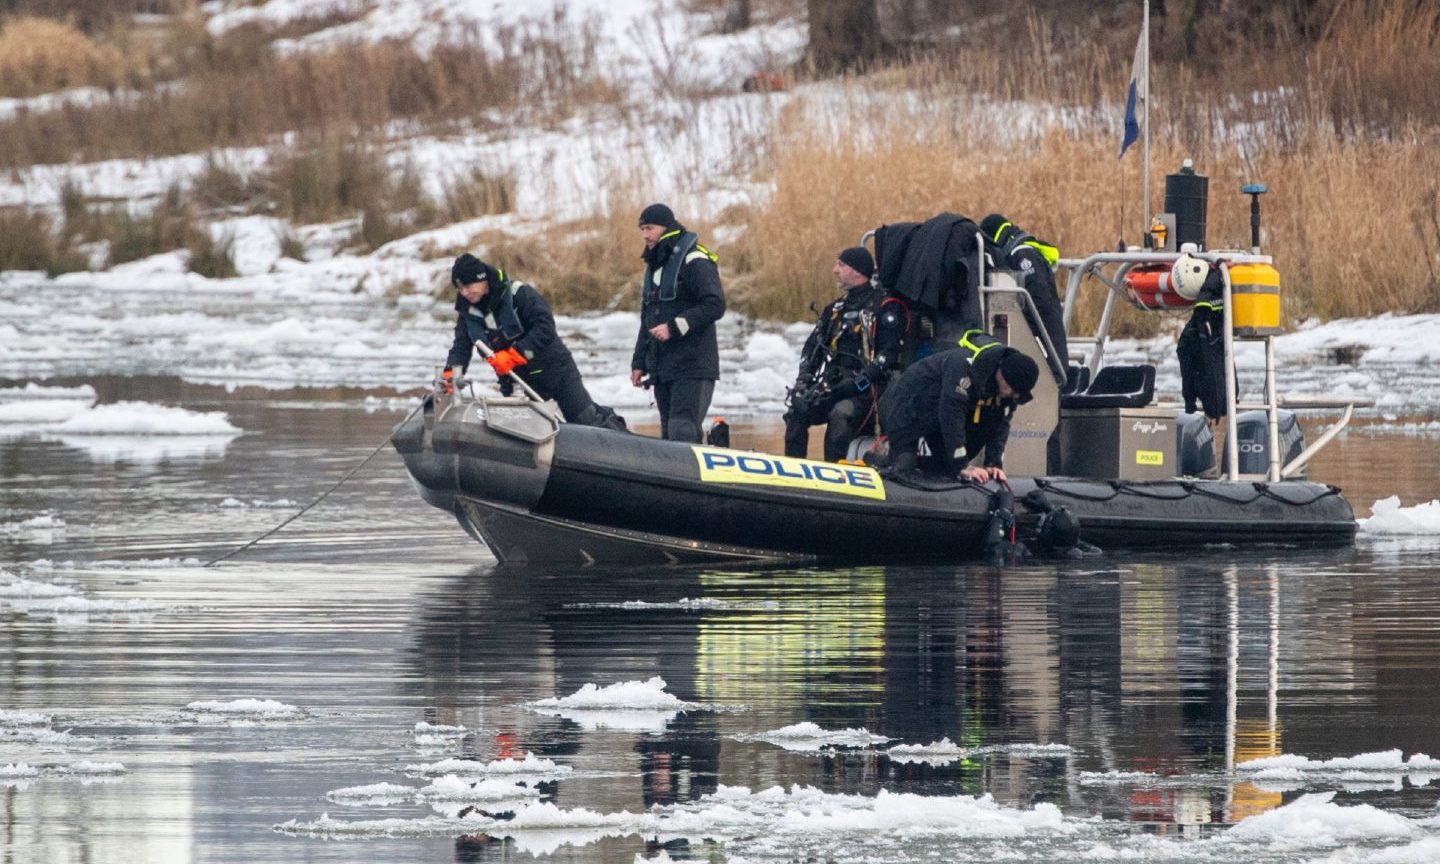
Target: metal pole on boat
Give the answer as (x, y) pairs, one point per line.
(514, 376)
(1145, 100)
(1232, 452)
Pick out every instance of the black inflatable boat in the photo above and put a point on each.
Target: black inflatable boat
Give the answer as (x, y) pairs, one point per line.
(534, 489)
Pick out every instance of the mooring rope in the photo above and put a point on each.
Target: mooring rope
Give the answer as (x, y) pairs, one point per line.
(323, 495)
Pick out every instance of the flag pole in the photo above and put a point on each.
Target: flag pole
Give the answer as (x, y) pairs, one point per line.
(1145, 156)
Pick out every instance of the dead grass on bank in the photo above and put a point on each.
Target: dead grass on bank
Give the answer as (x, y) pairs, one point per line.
(41, 55)
(1354, 226)
(236, 91)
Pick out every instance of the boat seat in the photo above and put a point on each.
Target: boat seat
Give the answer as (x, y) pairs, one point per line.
(1115, 387)
(1076, 379)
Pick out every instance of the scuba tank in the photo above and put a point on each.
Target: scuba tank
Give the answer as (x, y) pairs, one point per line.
(999, 541)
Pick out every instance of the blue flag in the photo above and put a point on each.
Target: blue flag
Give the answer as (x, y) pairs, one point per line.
(1139, 93)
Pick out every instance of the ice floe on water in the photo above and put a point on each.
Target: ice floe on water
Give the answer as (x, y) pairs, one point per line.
(1384, 769)
(809, 737)
(630, 706)
(528, 767)
(432, 737)
(1314, 821)
(41, 529)
(243, 711)
(945, 751)
(134, 431)
(778, 824)
(20, 773)
(1389, 518)
(66, 604)
(257, 503)
(684, 604)
(446, 789)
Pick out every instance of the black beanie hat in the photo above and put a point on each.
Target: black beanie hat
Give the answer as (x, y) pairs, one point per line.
(858, 258)
(993, 223)
(467, 270)
(659, 214)
(1020, 371)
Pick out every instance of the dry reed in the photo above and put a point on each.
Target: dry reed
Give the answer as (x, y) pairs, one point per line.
(40, 55)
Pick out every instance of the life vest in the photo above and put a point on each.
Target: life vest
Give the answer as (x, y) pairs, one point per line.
(1020, 238)
(977, 342)
(685, 249)
(500, 316)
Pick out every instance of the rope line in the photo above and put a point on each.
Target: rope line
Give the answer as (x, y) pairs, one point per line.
(323, 495)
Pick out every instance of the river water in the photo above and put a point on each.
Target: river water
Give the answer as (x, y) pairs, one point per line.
(154, 710)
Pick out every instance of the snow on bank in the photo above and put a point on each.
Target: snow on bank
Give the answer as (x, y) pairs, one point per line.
(626, 37)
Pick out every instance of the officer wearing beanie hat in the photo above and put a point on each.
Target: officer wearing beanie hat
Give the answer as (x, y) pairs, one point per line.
(515, 323)
(960, 402)
(681, 298)
(841, 368)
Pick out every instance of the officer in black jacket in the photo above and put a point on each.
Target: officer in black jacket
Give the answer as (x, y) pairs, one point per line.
(841, 367)
(681, 299)
(959, 401)
(1034, 264)
(515, 322)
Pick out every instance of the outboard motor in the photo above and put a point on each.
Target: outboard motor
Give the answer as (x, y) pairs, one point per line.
(1194, 445)
(1252, 440)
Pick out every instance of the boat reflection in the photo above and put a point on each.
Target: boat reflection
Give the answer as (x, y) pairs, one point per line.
(1160, 677)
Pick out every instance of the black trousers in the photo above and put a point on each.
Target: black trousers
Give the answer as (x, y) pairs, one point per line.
(567, 388)
(843, 421)
(683, 404)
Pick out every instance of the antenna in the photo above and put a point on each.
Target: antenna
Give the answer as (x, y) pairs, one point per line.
(1254, 190)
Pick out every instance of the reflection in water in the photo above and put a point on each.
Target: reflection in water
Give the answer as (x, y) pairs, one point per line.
(1167, 668)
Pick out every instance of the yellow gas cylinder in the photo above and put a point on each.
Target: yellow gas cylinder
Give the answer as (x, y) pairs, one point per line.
(1255, 299)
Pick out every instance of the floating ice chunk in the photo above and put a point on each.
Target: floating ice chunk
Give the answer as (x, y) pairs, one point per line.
(1315, 820)
(937, 752)
(531, 766)
(373, 794)
(18, 770)
(806, 811)
(1287, 766)
(142, 418)
(94, 768)
(627, 695)
(1387, 517)
(807, 737)
(246, 709)
(454, 788)
(23, 718)
(30, 589)
(630, 706)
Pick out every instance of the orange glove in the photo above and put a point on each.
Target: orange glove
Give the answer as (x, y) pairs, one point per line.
(504, 361)
(447, 381)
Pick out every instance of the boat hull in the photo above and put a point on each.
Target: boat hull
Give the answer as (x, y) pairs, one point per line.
(586, 495)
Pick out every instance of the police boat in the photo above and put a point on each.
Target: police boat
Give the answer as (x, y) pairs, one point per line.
(1091, 452)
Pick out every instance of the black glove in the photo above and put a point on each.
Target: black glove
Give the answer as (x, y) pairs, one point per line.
(799, 405)
(507, 386)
